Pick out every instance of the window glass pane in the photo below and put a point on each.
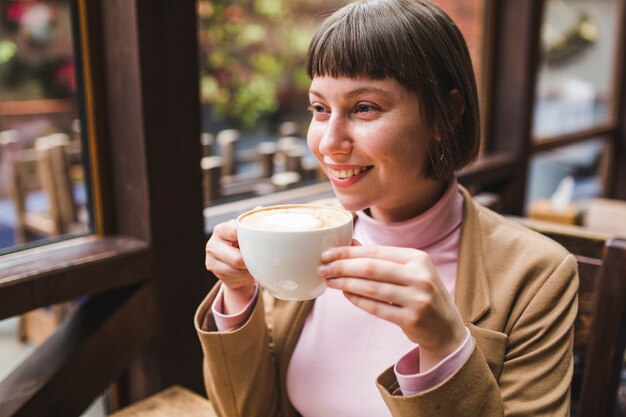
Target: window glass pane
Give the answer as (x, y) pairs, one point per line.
(42, 174)
(254, 90)
(583, 164)
(254, 95)
(575, 81)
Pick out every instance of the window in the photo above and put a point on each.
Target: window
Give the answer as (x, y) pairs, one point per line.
(576, 99)
(254, 96)
(42, 184)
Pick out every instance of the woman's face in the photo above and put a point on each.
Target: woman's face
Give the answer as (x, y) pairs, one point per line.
(369, 138)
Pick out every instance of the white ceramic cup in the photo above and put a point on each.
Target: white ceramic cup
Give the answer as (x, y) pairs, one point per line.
(282, 246)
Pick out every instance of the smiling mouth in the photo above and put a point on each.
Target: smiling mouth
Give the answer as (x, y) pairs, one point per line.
(348, 173)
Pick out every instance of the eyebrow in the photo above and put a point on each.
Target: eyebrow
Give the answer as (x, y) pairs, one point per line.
(357, 91)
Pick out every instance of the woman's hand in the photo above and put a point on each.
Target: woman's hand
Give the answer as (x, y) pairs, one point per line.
(399, 285)
(223, 259)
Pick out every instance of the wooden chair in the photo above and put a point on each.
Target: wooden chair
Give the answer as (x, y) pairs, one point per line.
(600, 328)
(45, 167)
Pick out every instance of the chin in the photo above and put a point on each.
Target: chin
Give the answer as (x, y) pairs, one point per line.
(351, 204)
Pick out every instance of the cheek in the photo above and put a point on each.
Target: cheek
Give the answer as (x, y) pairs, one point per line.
(409, 154)
(313, 141)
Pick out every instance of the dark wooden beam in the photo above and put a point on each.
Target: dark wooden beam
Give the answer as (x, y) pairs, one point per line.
(67, 270)
(515, 57)
(601, 386)
(617, 187)
(153, 110)
(542, 144)
(92, 78)
(75, 365)
(493, 168)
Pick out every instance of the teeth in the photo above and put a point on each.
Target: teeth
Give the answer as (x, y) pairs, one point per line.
(347, 173)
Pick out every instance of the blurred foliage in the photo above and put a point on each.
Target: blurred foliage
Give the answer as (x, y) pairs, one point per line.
(36, 55)
(251, 51)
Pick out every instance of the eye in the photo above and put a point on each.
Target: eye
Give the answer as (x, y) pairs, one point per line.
(316, 109)
(319, 112)
(365, 108)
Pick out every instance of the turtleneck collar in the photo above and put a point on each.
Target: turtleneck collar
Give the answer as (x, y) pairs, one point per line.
(421, 232)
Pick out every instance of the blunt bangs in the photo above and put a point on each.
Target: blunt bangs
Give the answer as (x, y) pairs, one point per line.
(358, 41)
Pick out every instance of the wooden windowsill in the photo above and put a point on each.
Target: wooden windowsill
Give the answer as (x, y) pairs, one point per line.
(62, 271)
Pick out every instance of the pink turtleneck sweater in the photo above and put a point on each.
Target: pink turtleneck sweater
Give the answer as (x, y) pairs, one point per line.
(343, 349)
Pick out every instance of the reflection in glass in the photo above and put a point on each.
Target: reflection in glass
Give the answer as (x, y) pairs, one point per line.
(254, 95)
(575, 80)
(584, 162)
(42, 187)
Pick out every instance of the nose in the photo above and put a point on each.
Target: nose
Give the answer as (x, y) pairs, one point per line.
(336, 138)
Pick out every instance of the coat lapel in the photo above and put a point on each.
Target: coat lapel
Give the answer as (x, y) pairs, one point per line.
(472, 291)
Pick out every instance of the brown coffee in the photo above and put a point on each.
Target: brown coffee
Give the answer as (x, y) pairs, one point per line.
(295, 217)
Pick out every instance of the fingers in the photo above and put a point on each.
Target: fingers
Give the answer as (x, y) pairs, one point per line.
(394, 254)
(218, 250)
(370, 269)
(383, 310)
(223, 257)
(231, 277)
(382, 292)
(225, 231)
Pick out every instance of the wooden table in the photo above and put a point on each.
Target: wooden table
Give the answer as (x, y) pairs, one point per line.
(175, 401)
(605, 215)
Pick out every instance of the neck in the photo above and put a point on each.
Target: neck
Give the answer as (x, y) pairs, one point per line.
(429, 194)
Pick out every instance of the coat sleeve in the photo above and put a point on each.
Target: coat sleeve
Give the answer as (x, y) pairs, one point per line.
(532, 375)
(240, 372)
(538, 365)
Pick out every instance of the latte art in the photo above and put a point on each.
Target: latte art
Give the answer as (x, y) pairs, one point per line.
(295, 218)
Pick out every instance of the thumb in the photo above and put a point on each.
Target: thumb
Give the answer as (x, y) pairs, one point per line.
(356, 243)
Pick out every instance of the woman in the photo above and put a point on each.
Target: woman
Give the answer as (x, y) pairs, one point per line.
(440, 307)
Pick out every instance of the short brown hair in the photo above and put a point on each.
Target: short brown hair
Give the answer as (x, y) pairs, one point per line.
(416, 43)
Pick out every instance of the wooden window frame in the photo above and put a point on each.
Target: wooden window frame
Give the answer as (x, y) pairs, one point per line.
(141, 274)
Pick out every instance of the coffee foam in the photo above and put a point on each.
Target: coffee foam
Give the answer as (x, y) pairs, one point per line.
(294, 218)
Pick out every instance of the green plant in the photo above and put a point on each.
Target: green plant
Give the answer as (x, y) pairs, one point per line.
(251, 50)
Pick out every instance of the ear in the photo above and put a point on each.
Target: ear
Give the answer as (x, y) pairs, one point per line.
(457, 106)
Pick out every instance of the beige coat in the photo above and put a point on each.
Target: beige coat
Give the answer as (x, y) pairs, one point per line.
(517, 293)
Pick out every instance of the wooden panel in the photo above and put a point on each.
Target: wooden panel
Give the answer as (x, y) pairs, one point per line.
(125, 122)
(66, 270)
(588, 272)
(150, 57)
(489, 169)
(617, 187)
(516, 50)
(601, 385)
(172, 402)
(65, 374)
(94, 117)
